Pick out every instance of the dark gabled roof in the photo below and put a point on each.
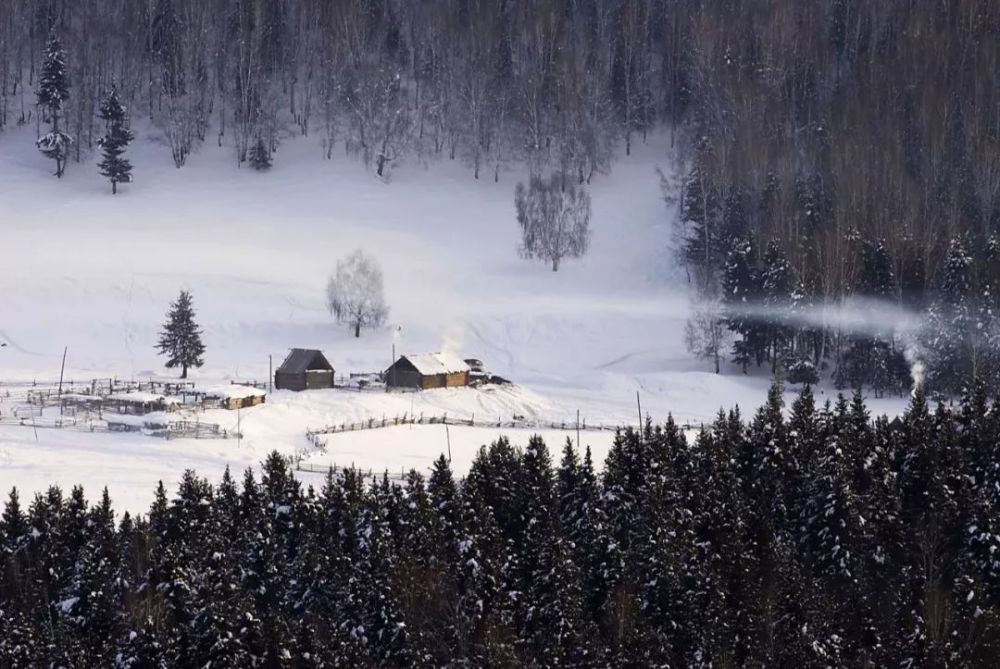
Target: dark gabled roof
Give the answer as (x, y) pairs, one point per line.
(301, 360)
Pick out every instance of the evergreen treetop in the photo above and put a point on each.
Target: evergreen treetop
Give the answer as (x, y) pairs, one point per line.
(180, 338)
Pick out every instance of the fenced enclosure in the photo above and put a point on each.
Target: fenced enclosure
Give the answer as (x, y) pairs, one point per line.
(105, 405)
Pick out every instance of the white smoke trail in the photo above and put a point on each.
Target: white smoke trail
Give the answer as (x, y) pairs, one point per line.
(918, 370)
(877, 318)
(854, 316)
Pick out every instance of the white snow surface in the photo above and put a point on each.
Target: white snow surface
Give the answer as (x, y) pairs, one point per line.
(231, 391)
(95, 273)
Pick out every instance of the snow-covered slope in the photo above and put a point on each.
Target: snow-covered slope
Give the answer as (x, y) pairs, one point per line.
(95, 273)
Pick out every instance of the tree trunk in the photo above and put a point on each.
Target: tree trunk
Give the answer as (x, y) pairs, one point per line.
(357, 329)
(184, 371)
(555, 264)
(114, 187)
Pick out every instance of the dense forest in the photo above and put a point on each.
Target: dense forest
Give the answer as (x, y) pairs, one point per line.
(489, 81)
(842, 152)
(823, 151)
(824, 539)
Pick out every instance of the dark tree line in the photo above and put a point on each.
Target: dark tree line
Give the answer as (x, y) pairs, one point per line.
(490, 82)
(823, 539)
(838, 149)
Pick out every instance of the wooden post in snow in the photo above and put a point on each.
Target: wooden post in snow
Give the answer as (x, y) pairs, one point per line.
(62, 369)
(639, 404)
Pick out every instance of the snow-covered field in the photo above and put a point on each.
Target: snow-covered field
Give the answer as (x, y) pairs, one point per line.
(95, 273)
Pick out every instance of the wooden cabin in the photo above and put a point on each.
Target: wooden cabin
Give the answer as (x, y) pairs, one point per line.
(428, 370)
(233, 397)
(304, 369)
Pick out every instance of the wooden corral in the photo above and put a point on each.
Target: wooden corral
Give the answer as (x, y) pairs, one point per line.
(304, 369)
(141, 403)
(427, 371)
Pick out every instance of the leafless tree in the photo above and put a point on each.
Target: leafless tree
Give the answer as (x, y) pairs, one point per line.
(705, 332)
(355, 293)
(554, 217)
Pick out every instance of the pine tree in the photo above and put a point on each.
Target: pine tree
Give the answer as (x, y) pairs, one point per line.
(116, 138)
(53, 92)
(952, 335)
(699, 216)
(741, 296)
(259, 157)
(777, 282)
(180, 338)
(444, 501)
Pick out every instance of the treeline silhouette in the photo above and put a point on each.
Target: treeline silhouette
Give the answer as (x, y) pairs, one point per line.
(836, 150)
(820, 539)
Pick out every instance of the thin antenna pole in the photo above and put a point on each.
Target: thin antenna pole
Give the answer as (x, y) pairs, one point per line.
(639, 405)
(448, 434)
(270, 372)
(578, 429)
(62, 369)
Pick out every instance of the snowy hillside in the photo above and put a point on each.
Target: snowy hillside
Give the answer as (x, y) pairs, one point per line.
(95, 273)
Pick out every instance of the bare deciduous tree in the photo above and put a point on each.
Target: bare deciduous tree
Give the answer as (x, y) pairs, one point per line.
(355, 294)
(555, 219)
(705, 333)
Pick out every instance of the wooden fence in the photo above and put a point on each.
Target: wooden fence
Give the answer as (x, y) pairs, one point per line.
(444, 419)
(365, 473)
(171, 430)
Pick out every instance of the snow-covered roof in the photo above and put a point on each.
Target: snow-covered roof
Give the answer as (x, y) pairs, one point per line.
(143, 397)
(429, 364)
(233, 391)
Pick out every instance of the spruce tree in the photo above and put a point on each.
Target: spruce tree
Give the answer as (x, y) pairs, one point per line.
(951, 329)
(259, 157)
(53, 91)
(741, 295)
(180, 339)
(116, 138)
(777, 283)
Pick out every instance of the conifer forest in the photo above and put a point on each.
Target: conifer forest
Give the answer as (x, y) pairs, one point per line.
(824, 539)
(822, 194)
(825, 151)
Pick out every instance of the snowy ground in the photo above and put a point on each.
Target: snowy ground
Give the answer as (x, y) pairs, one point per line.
(93, 272)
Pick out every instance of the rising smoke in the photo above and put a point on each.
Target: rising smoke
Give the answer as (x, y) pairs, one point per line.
(860, 316)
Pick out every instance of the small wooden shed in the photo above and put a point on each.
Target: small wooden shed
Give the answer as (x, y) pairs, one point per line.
(428, 370)
(233, 396)
(304, 369)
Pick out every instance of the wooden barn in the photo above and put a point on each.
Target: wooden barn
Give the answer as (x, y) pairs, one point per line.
(304, 369)
(232, 397)
(428, 370)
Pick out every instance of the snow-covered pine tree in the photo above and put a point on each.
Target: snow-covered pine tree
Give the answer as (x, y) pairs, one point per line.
(699, 220)
(53, 91)
(777, 290)
(116, 138)
(258, 156)
(741, 295)
(180, 338)
(445, 525)
(951, 332)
